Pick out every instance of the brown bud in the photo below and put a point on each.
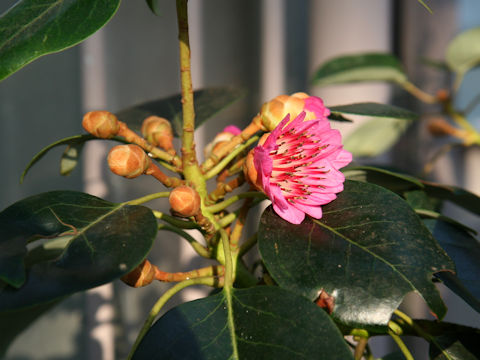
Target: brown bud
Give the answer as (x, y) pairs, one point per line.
(219, 140)
(275, 110)
(325, 301)
(129, 161)
(142, 275)
(102, 124)
(440, 127)
(249, 169)
(443, 95)
(185, 201)
(158, 132)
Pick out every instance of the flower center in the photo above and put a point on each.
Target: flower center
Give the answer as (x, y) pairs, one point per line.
(297, 169)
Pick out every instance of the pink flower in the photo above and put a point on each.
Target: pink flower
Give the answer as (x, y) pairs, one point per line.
(232, 129)
(298, 164)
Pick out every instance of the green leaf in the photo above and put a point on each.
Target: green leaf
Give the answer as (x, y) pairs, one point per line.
(394, 181)
(32, 28)
(208, 102)
(375, 136)
(464, 250)
(14, 322)
(368, 251)
(463, 52)
(359, 68)
(379, 134)
(107, 241)
(451, 341)
(456, 347)
(456, 195)
(154, 6)
(268, 322)
(69, 158)
(374, 109)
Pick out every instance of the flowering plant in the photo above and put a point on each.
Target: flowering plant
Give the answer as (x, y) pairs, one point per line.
(338, 249)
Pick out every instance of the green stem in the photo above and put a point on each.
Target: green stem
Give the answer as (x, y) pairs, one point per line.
(420, 331)
(147, 198)
(394, 330)
(227, 288)
(418, 93)
(191, 170)
(225, 161)
(227, 219)
(176, 222)
(226, 203)
(247, 245)
(209, 281)
(360, 348)
(199, 248)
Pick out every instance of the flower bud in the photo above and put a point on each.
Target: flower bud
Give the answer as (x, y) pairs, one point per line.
(142, 275)
(102, 124)
(221, 138)
(158, 132)
(184, 201)
(129, 161)
(249, 169)
(440, 127)
(274, 111)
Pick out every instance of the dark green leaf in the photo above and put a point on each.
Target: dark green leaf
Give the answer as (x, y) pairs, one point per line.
(14, 322)
(268, 323)
(154, 6)
(377, 135)
(75, 142)
(368, 251)
(455, 342)
(107, 241)
(32, 28)
(463, 52)
(456, 195)
(464, 249)
(394, 181)
(418, 199)
(360, 67)
(430, 214)
(208, 102)
(376, 110)
(397, 355)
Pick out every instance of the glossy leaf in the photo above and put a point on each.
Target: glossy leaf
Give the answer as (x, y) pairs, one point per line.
(359, 68)
(72, 141)
(464, 250)
(107, 241)
(375, 110)
(394, 181)
(154, 6)
(268, 323)
(452, 341)
(456, 195)
(32, 28)
(375, 136)
(368, 251)
(463, 52)
(208, 102)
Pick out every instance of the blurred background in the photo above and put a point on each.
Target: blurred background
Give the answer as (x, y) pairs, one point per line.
(267, 47)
